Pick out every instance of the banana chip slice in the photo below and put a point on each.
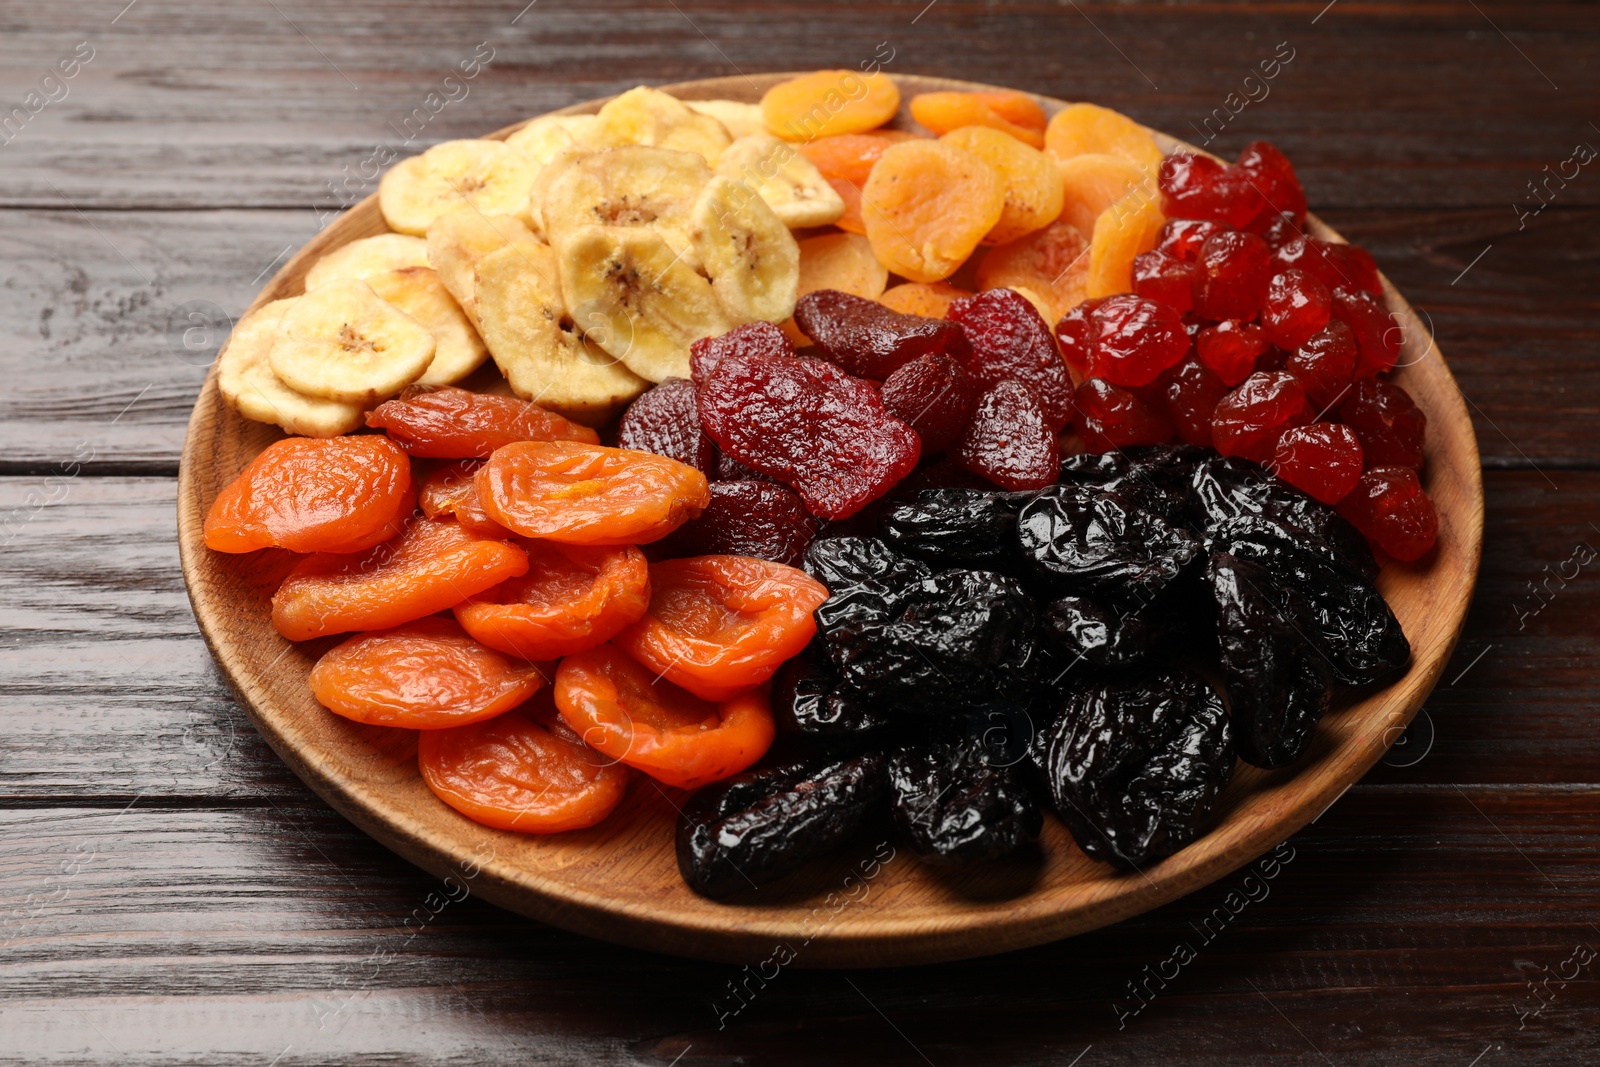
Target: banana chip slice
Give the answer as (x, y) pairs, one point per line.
(636, 298)
(249, 386)
(457, 348)
(458, 241)
(739, 119)
(368, 256)
(750, 255)
(341, 341)
(646, 116)
(789, 182)
(547, 136)
(543, 358)
(487, 176)
(633, 185)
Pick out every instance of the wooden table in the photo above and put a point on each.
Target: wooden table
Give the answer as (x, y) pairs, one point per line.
(172, 894)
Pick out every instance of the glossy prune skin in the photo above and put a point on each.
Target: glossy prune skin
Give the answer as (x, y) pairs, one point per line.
(957, 527)
(1090, 633)
(1157, 478)
(809, 700)
(1279, 686)
(1095, 542)
(955, 806)
(752, 829)
(1135, 764)
(870, 340)
(1227, 489)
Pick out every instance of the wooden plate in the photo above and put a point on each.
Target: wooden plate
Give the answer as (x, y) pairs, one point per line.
(619, 881)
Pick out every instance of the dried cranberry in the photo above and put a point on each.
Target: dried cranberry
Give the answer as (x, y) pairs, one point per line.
(1110, 418)
(1249, 420)
(1010, 341)
(1274, 179)
(1159, 277)
(934, 395)
(760, 519)
(868, 339)
(1076, 337)
(1325, 364)
(1323, 459)
(751, 339)
(1277, 229)
(1009, 441)
(1335, 265)
(1230, 349)
(1377, 335)
(1234, 269)
(1198, 187)
(1389, 506)
(1297, 306)
(1132, 339)
(1181, 238)
(1387, 421)
(666, 420)
(1192, 392)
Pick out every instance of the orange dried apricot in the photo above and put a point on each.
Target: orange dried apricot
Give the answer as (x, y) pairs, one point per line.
(851, 221)
(1018, 108)
(1081, 128)
(718, 625)
(926, 207)
(573, 597)
(444, 422)
(1093, 182)
(842, 261)
(336, 494)
(424, 675)
(851, 156)
(943, 112)
(451, 492)
(632, 714)
(1033, 188)
(929, 299)
(828, 102)
(1123, 230)
(431, 566)
(1052, 262)
(589, 495)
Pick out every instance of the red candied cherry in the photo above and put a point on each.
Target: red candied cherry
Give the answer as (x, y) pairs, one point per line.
(1132, 339)
(1181, 238)
(1074, 335)
(1198, 187)
(1273, 358)
(1234, 270)
(1277, 229)
(1389, 506)
(1230, 349)
(1191, 392)
(1387, 421)
(1323, 459)
(1110, 418)
(1297, 306)
(1275, 179)
(1249, 420)
(1377, 335)
(1326, 364)
(1335, 265)
(1158, 276)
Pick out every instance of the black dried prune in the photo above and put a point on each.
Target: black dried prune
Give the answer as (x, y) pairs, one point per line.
(957, 807)
(1157, 478)
(1279, 686)
(756, 827)
(1228, 488)
(1135, 765)
(841, 562)
(809, 699)
(1090, 632)
(1095, 542)
(957, 527)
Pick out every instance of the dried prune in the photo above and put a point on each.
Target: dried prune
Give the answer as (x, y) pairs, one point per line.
(1009, 441)
(868, 339)
(955, 806)
(843, 563)
(1233, 488)
(666, 420)
(934, 396)
(809, 699)
(1091, 633)
(956, 527)
(760, 519)
(1157, 478)
(1279, 685)
(1135, 765)
(754, 339)
(752, 829)
(1097, 542)
(1011, 342)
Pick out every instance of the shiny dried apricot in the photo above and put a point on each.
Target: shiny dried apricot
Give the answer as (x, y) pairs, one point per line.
(1093, 182)
(943, 112)
(572, 598)
(718, 625)
(851, 156)
(827, 102)
(1033, 189)
(336, 494)
(929, 299)
(431, 566)
(424, 675)
(927, 205)
(444, 422)
(632, 714)
(1052, 263)
(1082, 128)
(1123, 230)
(450, 492)
(851, 221)
(589, 495)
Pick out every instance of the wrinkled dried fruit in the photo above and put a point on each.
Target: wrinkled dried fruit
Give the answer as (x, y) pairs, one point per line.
(1234, 270)
(1009, 440)
(753, 339)
(1230, 349)
(1030, 180)
(1297, 306)
(1249, 420)
(868, 339)
(1161, 277)
(1087, 631)
(1015, 114)
(1192, 392)
(764, 520)
(1053, 262)
(572, 597)
(929, 301)
(926, 206)
(1198, 187)
(955, 806)
(665, 420)
(1377, 335)
(809, 699)
(1011, 342)
(1325, 364)
(1095, 542)
(1132, 340)
(956, 528)
(1274, 178)
(444, 422)
(1323, 460)
(1109, 417)
(1389, 506)
(450, 492)
(932, 395)
(1387, 421)
(1338, 266)
(829, 102)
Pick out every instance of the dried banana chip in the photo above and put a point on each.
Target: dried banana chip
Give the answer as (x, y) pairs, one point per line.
(789, 182)
(490, 177)
(739, 119)
(368, 256)
(547, 136)
(458, 241)
(457, 348)
(249, 386)
(629, 186)
(646, 116)
(341, 341)
(750, 255)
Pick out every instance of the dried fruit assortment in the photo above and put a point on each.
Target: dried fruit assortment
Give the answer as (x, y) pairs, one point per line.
(1042, 472)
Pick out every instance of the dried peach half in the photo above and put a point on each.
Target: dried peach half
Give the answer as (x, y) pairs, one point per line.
(851, 156)
(449, 423)
(451, 492)
(927, 205)
(1093, 182)
(1123, 230)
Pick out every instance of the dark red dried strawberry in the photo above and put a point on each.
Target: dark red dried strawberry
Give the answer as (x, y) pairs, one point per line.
(1192, 392)
(1335, 265)
(811, 426)
(1325, 364)
(1377, 335)
(1181, 238)
(934, 395)
(666, 420)
(760, 519)
(1160, 277)
(1009, 441)
(1249, 420)
(940, 472)
(1389, 506)
(1198, 187)
(1297, 306)
(1132, 340)
(868, 339)
(1110, 418)
(1387, 421)
(731, 470)
(1230, 349)
(1233, 272)
(751, 339)
(1323, 459)
(1010, 341)
(1274, 179)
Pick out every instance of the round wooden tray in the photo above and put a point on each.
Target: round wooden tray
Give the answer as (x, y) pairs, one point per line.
(619, 880)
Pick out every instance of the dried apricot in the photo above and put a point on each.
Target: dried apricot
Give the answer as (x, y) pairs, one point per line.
(927, 205)
(449, 423)
(431, 566)
(1123, 230)
(929, 299)
(450, 492)
(1052, 262)
(718, 625)
(589, 495)
(851, 221)
(851, 156)
(634, 715)
(1020, 109)
(829, 102)
(1093, 182)
(515, 772)
(842, 261)
(425, 675)
(1083, 128)
(943, 112)
(336, 494)
(572, 598)
(1033, 190)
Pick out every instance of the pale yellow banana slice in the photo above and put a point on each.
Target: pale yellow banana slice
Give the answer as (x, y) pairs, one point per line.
(341, 341)
(739, 119)
(750, 255)
(368, 256)
(788, 181)
(633, 185)
(456, 242)
(547, 136)
(249, 386)
(457, 348)
(635, 297)
(646, 116)
(487, 176)
(531, 338)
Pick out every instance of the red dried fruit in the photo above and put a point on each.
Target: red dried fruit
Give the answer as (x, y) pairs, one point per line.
(666, 420)
(1297, 306)
(868, 339)
(1198, 187)
(1230, 349)
(1377, 335)
(1075, 336)
(934, 395)
(752, 339)
(731, 470)
(811, 426)
(761, 519)
(1325, 364)
(444, 422)
(1010, 341)
(1274, 179)
(1387, 421)
(1159, 276)
(1277, 230)
(1132, 339)
(1323, 459)
(1249, 420)
(1110, 418)
(1335, 265)
(1181, 238)
(1233, 272)
(1192, 392)
(1009, 441)
(1389, 506)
